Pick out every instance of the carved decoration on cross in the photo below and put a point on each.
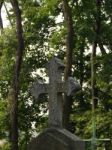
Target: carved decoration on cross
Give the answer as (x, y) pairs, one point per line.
(54, 89)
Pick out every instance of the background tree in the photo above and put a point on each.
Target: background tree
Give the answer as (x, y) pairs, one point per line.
(69, 53)
(15, 82)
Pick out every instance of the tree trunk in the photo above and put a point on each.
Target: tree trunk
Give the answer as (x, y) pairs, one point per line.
(17, 69)
(69, 45)
(1, 22)
(81, 74)
(94, 91)
(103, 51)
(93, 55)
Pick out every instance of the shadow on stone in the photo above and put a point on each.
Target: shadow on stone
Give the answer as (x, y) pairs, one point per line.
(56, 139)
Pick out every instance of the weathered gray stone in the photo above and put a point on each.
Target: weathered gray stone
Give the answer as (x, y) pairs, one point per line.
(55, 137)
(55, 88)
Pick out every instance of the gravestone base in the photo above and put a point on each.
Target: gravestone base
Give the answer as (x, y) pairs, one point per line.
(56, 139)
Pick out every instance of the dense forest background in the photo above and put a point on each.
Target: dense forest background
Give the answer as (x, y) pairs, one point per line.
(79, 32)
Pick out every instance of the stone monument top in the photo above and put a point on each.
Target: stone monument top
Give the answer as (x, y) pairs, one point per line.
(55, 137)
(54, 89)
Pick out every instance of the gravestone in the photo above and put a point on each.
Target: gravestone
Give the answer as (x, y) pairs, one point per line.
(55, 137)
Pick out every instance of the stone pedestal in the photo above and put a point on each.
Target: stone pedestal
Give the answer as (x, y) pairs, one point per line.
(56, 139)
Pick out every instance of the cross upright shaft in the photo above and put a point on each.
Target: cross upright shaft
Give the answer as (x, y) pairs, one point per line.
(55, 98)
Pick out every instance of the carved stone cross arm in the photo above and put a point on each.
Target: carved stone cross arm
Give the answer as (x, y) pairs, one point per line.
(68, 87)
(39, 88)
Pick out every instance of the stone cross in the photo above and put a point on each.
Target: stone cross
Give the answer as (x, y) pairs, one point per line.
(54, 89)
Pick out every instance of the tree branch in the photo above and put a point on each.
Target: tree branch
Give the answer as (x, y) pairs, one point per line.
(1, 22)
(8, 15)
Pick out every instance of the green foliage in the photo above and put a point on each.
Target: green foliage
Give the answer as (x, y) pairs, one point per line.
(6, 146)
(7, 58)
(43, 38)
(3, 119)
